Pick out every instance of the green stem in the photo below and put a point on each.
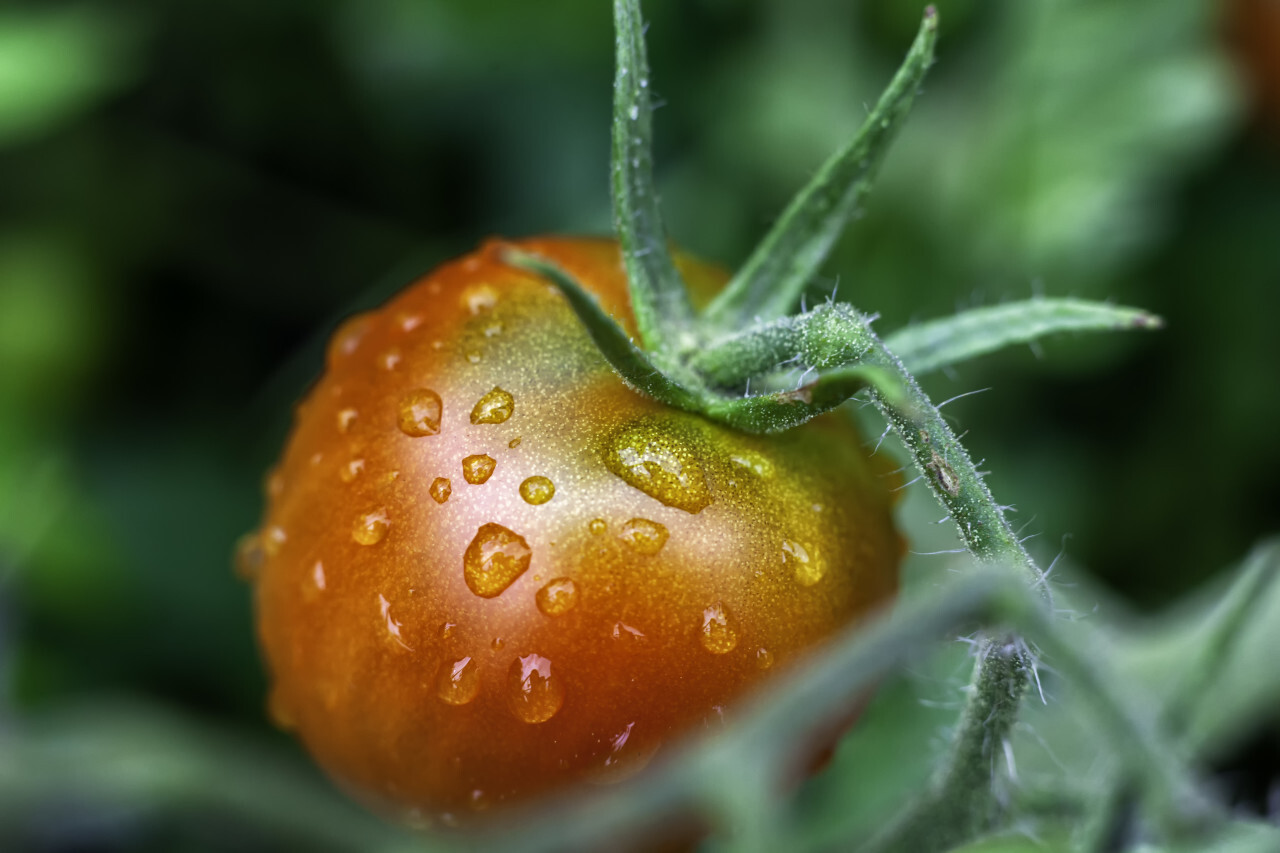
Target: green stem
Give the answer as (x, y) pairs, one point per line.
(659, 298)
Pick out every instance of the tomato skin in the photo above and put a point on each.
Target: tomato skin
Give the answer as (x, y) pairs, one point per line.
(450, 647)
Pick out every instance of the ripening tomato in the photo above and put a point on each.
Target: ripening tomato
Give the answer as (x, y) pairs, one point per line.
(489, 568)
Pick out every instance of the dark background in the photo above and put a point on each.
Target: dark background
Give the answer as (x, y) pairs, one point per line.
(192, 194)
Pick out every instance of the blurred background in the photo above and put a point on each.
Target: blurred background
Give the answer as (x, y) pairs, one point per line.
(192, 195)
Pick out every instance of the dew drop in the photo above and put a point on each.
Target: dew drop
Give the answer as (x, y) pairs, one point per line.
(718, 635)
(273, 539)
(536, 694)
(659, 460)
(493, 408)
(493, 330)
(754, 462)
(557, 597)
(440, 489)
(420, 412)
(597, 526)
(316, 459)
(393, 624)
(477, 469)
(645, 536)
(249, 556)
(474, 357)
(458, 683)
(346, 417)
(351, 470)
(446, 630)
(497, 644)
(346, 340)
(537, 490)
(494, 559)
(479, 801)
(629, 633)
(514, 443)
(634, 112)
(371, 527)
(317, 575)
(764, 658)
(390, 360)
(407, 321)
(275, 484)
(479, 298)
(806, 566)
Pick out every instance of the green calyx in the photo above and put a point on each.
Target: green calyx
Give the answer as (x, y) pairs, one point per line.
(748, 360)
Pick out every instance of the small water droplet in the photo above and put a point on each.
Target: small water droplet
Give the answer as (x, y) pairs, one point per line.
(634, 112)
(316, 459)
(458, 682)
(346, 417)
(514, 443)
(493, 330)
(623, 631)
(493, 408)
(557, 597)
(317, 575)
(346, 340)
(371, 527)
(479, 298)
(753, 462)
(718, 635)
(275, 484)
(420, 412)
(249, 556)
(764, 658)
(440, 489)
(597, 526)
(351, 470)
(645, 536)
(536, 693)
(479, 800)
(273, 539)
(408, 321)
(537, 490)
(477, 469)
(497, 644)
(393, 624)
(659, 459)
(474, 357)
(494, 559)
(446, 630)
(390, 359)
(807, 566)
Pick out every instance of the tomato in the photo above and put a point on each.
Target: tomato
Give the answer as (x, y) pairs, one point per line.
(488, 568)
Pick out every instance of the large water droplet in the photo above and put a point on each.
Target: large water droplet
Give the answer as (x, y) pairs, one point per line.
(346, 417)
(440, 489)
(535, 693)
(370, 527)
(806, 565)
(494, 559)
(645, 536)
(718, 634)
(420, 412)
(659, 460)
(493, 408)
(477, 469)
(537, 490)
(458, 682)
(557, 597)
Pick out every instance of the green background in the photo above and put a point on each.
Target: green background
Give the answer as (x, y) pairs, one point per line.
(192, 195)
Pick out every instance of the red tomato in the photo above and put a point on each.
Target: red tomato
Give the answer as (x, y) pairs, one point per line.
(488, 568)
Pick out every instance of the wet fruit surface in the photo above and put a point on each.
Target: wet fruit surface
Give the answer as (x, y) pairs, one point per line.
(488, 568)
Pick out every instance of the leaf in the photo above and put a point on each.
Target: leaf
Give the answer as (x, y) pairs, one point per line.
(939, 343)
(783, 410)
(775, 275)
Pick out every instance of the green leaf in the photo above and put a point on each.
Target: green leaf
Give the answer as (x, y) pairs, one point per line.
(658, 296)
(929, 346)
(775, 275)
(632, 363)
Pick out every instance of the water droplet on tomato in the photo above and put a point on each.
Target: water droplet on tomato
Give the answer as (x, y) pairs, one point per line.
(479, 298)
(351, 470)
(806, 566)
(275, 484)
(249, 556)
(273, 539)
(474, 357)
(764, 658)
(597, 526)
(346, 340)
(659, 459)
(514, 443)
(420, 412)
(493, 408)
(317, 576)
(446, 630)
(537, 490)
(630, 633)
(458, 682)
(408, 321)
(370, 527)
(718, 634)
(497, 644)
(440, 489)
(643, 535)
(494, 559)
(557, 597)
(346, 417)
(535, 693)
(479, 801)
(390, 359)
(477, 469)
(392, 624)
(753, 462)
